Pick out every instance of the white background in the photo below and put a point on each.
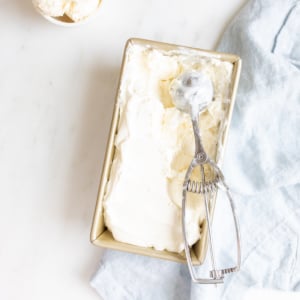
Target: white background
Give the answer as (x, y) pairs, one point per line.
(57, 88)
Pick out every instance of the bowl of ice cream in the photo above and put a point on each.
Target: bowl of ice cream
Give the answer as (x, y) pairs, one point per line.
(67, 12)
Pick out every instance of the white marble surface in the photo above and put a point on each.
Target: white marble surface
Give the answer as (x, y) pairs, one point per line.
(57, 88)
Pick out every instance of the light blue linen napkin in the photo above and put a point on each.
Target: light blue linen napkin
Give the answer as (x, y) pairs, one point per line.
(262, 165)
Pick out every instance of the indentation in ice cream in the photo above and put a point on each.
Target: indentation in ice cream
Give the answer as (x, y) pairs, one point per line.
(154, 147)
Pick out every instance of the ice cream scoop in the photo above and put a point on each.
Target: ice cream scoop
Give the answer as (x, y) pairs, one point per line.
(192, 92)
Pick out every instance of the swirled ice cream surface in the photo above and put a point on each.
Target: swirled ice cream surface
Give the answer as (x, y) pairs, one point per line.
(154, 146)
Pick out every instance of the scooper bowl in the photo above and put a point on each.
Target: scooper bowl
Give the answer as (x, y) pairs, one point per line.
(192, 92)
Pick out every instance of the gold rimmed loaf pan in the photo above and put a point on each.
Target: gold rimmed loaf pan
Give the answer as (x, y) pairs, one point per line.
(100, 235)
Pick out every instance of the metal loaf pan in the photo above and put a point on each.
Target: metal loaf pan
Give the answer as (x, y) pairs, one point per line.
(100, 236)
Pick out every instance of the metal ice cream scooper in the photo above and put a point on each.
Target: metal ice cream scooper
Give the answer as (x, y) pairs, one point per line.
(192, 92)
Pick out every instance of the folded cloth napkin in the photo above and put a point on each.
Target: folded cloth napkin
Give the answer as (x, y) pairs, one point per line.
(262, 166)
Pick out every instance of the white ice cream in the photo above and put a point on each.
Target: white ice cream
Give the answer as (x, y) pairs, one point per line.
(77, 10)
(154, 147)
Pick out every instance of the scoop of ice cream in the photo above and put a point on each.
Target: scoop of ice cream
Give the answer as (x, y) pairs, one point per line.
(53, 8)
(81, 9)
(77, 10)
